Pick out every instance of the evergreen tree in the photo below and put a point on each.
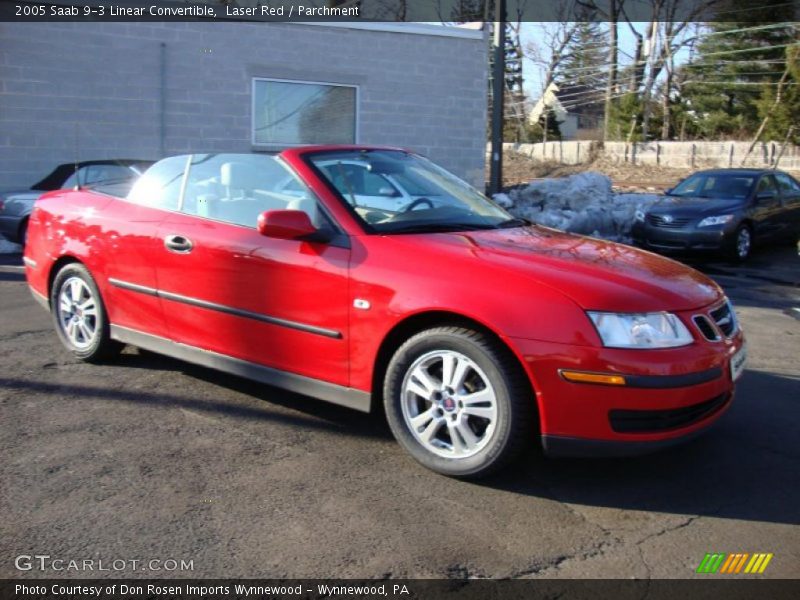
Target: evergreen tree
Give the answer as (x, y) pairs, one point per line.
(736, 63)
(586, 58)
(549, 125)
(514, 113)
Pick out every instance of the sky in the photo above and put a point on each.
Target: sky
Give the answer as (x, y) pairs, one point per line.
(531, 72)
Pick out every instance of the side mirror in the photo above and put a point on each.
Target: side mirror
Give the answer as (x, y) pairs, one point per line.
(286, 225)
(668, 191)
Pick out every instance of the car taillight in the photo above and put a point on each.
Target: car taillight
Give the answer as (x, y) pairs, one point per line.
(2, 204)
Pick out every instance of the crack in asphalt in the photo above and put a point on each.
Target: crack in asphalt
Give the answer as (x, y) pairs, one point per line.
(647, 569)
(681, 525)
(555, 562)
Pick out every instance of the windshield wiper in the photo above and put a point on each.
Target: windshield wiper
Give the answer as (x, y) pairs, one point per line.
(437, 227)
(511, 223)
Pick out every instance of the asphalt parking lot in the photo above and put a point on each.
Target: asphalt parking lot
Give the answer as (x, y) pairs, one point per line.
(152, 459)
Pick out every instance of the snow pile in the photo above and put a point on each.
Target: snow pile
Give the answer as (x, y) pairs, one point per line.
(582, 203)
(7, 247)
(503, 200)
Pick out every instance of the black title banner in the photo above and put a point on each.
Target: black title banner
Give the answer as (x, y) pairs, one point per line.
(448, 11)
(711, 587)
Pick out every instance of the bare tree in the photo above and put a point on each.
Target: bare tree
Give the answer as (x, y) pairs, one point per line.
(775, 104)
(666, 33)
(548, 54)
(610, 12)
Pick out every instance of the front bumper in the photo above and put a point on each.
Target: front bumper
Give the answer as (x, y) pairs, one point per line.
(559, 446)
(686, 239)
(670, 395)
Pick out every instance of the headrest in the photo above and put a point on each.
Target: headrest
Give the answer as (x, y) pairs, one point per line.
(241, 176)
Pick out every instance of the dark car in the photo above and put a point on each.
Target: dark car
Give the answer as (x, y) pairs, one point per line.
(724, 211)
(16, 205)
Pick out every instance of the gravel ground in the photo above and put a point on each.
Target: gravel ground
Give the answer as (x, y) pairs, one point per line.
(150, 458)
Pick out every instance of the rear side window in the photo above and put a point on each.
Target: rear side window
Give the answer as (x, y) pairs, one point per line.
(160, 186)
(789, 187)
(767, 185)
(237, 188)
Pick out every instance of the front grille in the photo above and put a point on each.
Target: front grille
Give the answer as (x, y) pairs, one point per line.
(706, 328)
(653, 421)
(667, 222)
(724, 319)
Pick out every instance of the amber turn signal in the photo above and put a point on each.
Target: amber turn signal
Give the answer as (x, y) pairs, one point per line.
(601, 378)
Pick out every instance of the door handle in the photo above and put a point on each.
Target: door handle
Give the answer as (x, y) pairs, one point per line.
(178, 243)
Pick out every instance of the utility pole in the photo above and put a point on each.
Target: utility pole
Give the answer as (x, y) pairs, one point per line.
(498, 89)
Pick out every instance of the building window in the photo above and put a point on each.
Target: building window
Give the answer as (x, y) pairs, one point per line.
(289, 113)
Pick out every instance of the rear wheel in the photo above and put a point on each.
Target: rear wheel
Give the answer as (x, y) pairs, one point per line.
(456, 401)
(80, 315)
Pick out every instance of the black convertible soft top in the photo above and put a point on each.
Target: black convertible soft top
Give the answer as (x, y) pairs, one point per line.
(61, 173)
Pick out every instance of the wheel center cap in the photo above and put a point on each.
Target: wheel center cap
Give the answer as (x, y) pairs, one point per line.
(448, 404)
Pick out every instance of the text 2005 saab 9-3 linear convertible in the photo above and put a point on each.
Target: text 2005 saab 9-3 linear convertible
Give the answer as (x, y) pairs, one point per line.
(476, 331)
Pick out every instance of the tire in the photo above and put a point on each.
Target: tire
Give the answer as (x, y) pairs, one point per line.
(79, 315)
(742, 244)
(471, 428)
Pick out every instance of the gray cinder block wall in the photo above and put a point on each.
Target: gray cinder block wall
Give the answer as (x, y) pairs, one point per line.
(94, 90)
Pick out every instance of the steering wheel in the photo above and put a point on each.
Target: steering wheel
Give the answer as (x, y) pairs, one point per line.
(418, 202)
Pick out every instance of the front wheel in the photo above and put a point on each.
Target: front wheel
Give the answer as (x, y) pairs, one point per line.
(80, 315)
(457, 402)
(742, 243)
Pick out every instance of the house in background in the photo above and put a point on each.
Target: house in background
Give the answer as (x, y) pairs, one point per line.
(145, 90)
(577, 109)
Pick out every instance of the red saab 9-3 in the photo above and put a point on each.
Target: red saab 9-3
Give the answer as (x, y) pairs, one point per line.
(372, 278)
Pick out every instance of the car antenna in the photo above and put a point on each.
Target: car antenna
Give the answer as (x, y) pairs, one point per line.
(77, 161)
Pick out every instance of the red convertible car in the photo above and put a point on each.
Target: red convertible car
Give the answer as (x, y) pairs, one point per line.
(476, 331)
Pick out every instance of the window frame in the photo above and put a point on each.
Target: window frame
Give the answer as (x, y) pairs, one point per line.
(275, 145)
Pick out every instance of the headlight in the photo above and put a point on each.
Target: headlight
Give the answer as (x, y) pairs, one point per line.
(638, 215)
(640, 330)
(718, 220)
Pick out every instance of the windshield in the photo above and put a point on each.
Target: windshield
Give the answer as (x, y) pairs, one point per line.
(396, 192)
(706, 185)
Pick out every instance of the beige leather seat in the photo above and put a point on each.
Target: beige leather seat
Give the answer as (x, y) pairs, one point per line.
(245, 195)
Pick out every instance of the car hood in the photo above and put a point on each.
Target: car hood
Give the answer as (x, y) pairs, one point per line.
(596, 274)
(690, 206)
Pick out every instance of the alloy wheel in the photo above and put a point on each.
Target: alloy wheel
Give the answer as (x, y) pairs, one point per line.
(449, 404)
(77, 313)
(743, 243)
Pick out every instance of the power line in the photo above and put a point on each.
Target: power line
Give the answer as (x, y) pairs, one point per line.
(758, 48)
(759, 83)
